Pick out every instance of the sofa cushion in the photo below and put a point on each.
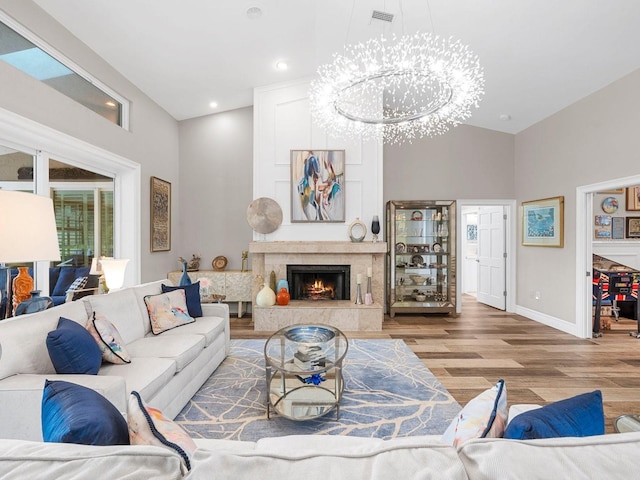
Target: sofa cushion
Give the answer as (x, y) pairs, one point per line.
(20, 459)
(579, 416)
(485, 416)
(192, 293)
(167, 311)
(120, 308)
(108, 339)
(333, 457)
(208, 327)
(23, 339)
(145, 375)
(72, 349)
(610, 457)
(66, 278)
(180, 348)
(75, 414)
(149, 426)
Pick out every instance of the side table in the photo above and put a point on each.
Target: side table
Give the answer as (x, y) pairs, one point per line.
(303, 366)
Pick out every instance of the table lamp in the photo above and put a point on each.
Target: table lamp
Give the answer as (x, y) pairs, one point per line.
(113, 269)
(29, 234)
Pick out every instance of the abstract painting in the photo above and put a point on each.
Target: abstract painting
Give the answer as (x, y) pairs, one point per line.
(317, 186)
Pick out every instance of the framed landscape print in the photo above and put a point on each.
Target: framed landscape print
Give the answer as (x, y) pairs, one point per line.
(317, 186)
(160, 215)
(543, 222)
(633, 227)
(633, 198)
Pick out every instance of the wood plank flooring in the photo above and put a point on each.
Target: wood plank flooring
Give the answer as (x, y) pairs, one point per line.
(539, 364)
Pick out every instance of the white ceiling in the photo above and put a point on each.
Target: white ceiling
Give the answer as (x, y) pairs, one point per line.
(538, 55)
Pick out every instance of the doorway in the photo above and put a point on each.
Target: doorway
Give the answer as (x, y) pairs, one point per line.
(585, 227)
(487, 252)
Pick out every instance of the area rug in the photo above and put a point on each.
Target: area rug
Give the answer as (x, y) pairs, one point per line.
(388, 393)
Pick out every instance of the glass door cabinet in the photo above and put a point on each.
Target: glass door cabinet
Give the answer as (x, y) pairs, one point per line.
(421, 273)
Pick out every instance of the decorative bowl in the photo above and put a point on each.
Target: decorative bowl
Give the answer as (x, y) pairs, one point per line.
(418, 279)
(421, 297)
(310, 335)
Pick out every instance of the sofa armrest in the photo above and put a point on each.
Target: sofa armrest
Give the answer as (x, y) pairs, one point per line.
(21, 400)
(219, 310)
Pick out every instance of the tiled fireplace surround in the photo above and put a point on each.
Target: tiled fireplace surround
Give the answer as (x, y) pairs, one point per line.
(343, 314)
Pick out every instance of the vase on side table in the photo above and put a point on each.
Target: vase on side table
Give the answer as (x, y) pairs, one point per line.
(184, 278)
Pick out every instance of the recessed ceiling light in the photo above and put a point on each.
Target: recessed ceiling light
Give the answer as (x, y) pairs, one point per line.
(254, 12)
(110, 104)
(281, 65)
(213, 104)
(504, 117)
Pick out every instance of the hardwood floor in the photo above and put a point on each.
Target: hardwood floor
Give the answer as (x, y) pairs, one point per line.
(539, 364)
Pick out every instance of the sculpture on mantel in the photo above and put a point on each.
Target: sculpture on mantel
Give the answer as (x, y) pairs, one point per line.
(193, 265)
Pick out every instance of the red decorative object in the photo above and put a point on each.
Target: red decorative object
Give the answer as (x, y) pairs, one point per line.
(22, 286)
(283, 297)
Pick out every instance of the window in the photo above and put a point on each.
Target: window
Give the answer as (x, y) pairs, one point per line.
(29, 54)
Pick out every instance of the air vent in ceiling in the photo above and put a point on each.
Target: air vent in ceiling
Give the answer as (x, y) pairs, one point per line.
(382, 16)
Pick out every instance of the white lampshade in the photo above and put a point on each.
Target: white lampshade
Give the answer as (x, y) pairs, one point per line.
(29, 231)
(113, 269)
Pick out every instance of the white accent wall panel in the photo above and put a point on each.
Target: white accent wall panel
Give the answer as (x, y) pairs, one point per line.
(282, 122)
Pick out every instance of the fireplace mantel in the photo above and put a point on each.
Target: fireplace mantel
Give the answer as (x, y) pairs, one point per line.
(346, 315)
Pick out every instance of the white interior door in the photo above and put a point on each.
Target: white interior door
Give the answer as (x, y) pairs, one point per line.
(492, 257)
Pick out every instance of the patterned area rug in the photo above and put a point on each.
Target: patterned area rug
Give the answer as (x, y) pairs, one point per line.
(388, 393)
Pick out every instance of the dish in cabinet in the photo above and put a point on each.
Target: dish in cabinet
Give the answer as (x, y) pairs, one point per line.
(401, 247)
(416, 215)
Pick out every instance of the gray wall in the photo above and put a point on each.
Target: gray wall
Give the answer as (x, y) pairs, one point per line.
(465, 163)
(152, 141)
(216, 178)
(593, 140)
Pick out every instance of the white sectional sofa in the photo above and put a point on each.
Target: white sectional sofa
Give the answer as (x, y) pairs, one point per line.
(166, 369)
(322, 457)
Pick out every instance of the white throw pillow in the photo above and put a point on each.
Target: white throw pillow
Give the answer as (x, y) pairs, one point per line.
(485, 416)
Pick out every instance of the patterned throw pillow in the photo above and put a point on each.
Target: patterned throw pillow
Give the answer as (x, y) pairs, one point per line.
(192, 293)
(149, 426)
(167, 311)
(108, 339)
(485, 416)
(78, 284)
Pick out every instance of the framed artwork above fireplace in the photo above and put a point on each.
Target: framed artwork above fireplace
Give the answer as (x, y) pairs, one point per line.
(317, 186)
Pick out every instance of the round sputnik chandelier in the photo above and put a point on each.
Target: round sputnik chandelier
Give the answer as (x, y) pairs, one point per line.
(397, 90)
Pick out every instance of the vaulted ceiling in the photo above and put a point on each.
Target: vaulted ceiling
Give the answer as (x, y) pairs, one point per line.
(539, 56)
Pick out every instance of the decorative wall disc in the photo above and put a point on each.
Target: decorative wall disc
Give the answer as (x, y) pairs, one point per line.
(264, 215)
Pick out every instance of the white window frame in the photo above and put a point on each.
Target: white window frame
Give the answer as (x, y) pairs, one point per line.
(27, 136)
(71, 65)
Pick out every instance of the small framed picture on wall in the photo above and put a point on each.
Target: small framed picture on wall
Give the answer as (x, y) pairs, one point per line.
(633, 227)
(602, 227)
(633, 198)
(617, 228)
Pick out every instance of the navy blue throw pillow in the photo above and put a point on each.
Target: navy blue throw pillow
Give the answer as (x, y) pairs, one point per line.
(579, 416)
(72, 349)
(75, 414)
(192, 294)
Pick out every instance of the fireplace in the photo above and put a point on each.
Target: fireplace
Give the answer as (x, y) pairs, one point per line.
(319, 282)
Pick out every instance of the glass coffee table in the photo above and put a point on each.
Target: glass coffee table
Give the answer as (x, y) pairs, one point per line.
(303, 365)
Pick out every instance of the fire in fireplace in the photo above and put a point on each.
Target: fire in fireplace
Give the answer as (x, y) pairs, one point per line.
(318, 282)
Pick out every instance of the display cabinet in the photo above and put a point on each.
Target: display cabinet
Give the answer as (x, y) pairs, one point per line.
(421, 270)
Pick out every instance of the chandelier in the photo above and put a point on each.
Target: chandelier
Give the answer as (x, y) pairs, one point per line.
(398, 90)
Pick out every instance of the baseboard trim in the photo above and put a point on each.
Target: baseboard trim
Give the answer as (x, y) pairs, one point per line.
(554, 322)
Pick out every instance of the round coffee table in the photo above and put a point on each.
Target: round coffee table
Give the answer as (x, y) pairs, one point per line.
(303, 365)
